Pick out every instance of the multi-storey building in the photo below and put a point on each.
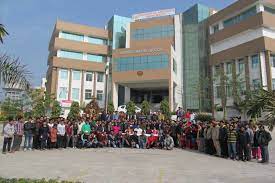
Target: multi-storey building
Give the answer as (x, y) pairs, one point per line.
(242, 51)
(76, 63)
(196, 59)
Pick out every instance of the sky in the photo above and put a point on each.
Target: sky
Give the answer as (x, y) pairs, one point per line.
(30, 22)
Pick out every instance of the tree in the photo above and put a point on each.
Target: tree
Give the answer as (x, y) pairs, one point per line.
(165, 109)
(13, 73)
(74, 111)
(111, 108)
(56, 109)
(11, 108)
(3, 32)
(131, 108)
(263, 101)
(145, 107)
(39, 108)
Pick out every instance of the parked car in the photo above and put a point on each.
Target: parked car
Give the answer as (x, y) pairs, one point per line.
(122, 108)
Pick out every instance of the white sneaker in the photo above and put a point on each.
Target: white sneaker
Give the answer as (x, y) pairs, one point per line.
(30, 149)
(25, 149)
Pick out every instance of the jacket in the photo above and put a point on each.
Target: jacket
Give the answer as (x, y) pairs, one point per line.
(264, 138)
(223, 134)
(231, 136)
(8, 131)
(243, 138)
(215, 133)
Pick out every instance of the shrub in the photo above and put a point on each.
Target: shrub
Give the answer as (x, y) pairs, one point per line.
(131, 108)
(111, 108)
(204, 117)
(145, 107)
(165, 109)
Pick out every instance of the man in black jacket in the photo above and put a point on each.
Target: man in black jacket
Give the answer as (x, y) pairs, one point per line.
(264, 138)
(223, 139)
(243, 140)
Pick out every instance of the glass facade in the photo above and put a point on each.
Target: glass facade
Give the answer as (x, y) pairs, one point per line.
(71, 36)
(99, 41)
(75, 93)
(117, 26)
(141, 63)
(255, 61)
(153, 32)
(63, 91)
(195, 58)
(272, 60)
(96, 58)
(256, 83)
(229, 68)
(273, 84)
(100, 77)
(71, 55)
(236, 19)
(241, 66)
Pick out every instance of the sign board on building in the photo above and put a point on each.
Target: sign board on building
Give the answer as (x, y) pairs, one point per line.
(151, 50)
(153, 14)
(66, 103)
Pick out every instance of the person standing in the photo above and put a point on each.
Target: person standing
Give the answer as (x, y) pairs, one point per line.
(69, 133)
(53, 136)
(264, 138)
(61, 135)
(8, 134)
(256, 151)
(75, 134)
(244, 142)
(18, 134)
(223, 140)
(43, 135)
(28, 132)
(231, 142)
(215, 137)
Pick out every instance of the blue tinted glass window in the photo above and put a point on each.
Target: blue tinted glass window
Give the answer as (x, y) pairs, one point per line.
(97, 41)
(153, 32)
(255, 61)
(71, 55)
(96, 58)
(75, 93)
(76, 75)
(64, 74)
(71, 36)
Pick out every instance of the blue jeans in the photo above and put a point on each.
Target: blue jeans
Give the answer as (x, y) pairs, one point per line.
(265, 154)
(232, 150)
(28, 141)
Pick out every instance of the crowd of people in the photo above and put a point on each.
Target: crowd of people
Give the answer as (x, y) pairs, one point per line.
(227, 139)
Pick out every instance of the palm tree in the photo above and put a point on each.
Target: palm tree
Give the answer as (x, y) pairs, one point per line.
(3, 32)
(263, 101)
(13, 74)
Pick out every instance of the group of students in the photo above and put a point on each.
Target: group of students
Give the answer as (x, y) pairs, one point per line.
(235, 140)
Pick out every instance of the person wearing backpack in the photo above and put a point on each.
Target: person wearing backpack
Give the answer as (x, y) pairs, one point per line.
(264, 138)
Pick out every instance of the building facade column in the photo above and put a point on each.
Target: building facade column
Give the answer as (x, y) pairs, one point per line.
(247, 73)
(268, 70)
(115, 94)
(171, 95)
(94, 87)
(70, 84)
(82, 88)
(127, 96)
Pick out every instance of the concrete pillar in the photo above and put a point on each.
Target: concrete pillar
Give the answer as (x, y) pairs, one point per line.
(70, 84)
(127, 96)
(268, 70)
(171, 95)
(263, 69)
(247, 73)
(115, 95)
(82, 88)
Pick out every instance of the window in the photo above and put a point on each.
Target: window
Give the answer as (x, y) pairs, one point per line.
(256, 83)
(217, 69)
(273, 84)
(153, 32)
(174, 66)
(215, 28)
(255, 61)
(99, 77)
(229, 68)
(64, 74)
(236, 19)
(76, 75)
(71, 55)
(141, 63)
(75, 93)
(228, 91)
(218, 91)
(89, 76)
(88, 94)
(99, 95)
(241, 66)
(272, 60)
(97, 41)
(63, 91)
(96, 58)
(242, 88)
(71, 36)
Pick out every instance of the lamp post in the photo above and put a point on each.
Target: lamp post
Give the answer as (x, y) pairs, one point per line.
(106, 83)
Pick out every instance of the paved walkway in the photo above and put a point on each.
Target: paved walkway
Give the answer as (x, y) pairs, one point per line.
(134, 165)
